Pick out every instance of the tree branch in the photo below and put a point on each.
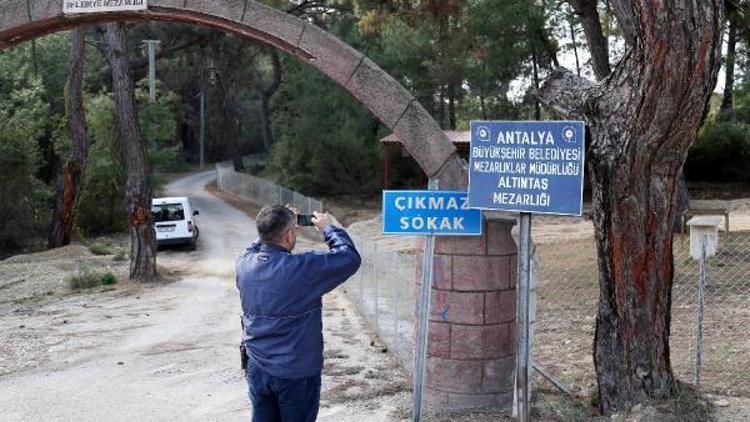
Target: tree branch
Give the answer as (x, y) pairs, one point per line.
(597, 42)
(566, 94)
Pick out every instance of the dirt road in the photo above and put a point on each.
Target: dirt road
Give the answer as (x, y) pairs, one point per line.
(169, 351)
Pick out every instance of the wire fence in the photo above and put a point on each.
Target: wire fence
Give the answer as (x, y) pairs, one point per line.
(568, 292)
(383, 290)
(261, 191)
(567, 296)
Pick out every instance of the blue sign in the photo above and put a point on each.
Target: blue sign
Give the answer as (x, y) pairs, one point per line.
(429, 212)
(534, 167)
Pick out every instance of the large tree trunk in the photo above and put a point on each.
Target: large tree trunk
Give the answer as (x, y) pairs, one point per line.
(587, 11)
(642, 120)
(137, 189)
(69, 184)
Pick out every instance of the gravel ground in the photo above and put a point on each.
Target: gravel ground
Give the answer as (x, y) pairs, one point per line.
(167, 349)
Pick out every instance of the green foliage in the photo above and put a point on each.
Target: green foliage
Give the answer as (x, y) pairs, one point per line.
(88, 279)
(23, 116)
(326, 143)
(721, 153)
(158, 122)
(101, 207)
(107, 279)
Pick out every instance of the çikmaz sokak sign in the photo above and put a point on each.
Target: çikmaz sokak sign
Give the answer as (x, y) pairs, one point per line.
(534, 167)
(92, 6)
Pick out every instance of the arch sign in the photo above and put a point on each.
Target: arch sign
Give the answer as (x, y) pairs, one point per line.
(94, 6)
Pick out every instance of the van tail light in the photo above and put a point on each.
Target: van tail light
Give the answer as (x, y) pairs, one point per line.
(190, 226)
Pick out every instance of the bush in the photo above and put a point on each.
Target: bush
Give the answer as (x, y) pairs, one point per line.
(89, 279)
(721, 154)
(99, 249)
(108, 279)
(120, 256)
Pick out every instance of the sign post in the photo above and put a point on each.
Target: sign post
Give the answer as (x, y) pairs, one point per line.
(427, 213)
(523, 318)
(526, 167)
(425, 302)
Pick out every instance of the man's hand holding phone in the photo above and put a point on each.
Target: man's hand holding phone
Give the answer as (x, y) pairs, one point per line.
(321, 220)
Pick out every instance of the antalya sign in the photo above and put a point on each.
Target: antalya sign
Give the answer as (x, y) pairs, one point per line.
(534, 167)
(94, 6)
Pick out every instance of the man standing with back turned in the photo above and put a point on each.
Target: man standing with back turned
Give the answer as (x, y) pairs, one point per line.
(282, 304)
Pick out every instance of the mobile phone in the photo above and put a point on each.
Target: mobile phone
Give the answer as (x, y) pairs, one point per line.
(305, 220)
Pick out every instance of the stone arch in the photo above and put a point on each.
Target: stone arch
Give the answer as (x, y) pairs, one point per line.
(391, 103)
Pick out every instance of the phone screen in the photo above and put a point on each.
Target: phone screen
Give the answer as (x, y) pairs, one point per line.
(304, 220)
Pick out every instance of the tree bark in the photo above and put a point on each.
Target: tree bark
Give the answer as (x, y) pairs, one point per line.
(597, 42)
(265, 99)
(642, 120)
(727, 101)
(68, 188)
(137, 188)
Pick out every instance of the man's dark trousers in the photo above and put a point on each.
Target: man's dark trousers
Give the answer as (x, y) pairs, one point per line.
(281, 399)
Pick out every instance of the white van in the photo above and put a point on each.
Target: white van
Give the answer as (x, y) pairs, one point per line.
(174, 221)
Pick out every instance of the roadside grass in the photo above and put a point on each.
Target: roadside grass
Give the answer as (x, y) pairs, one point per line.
(100, 249)
(88, 279)
(120, 256)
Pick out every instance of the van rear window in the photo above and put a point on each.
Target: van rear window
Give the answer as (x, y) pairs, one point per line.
(167, 212)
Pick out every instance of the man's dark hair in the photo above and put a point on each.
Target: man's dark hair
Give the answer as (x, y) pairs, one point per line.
(272, 221)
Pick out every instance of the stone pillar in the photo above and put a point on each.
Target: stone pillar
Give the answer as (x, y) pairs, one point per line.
(471, 351)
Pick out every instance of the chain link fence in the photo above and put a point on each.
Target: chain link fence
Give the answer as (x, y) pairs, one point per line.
(568, 293)
(261, 191)
(567, 298)
(383, 290)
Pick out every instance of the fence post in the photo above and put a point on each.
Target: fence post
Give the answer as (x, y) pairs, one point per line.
(375, 283)
(699, 327)
(396, 283)
(362, 277)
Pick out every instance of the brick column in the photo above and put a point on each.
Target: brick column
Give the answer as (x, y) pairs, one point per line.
(471, 347)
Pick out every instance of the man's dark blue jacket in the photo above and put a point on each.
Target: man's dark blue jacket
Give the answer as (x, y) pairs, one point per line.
(282, 304)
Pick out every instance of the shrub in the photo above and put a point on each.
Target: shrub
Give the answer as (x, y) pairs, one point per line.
(99, 249)
(107, 279)
(88, 279)
(721, 154)
(120, 256)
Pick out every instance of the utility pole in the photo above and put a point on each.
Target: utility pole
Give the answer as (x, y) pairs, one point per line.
(152, 68)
